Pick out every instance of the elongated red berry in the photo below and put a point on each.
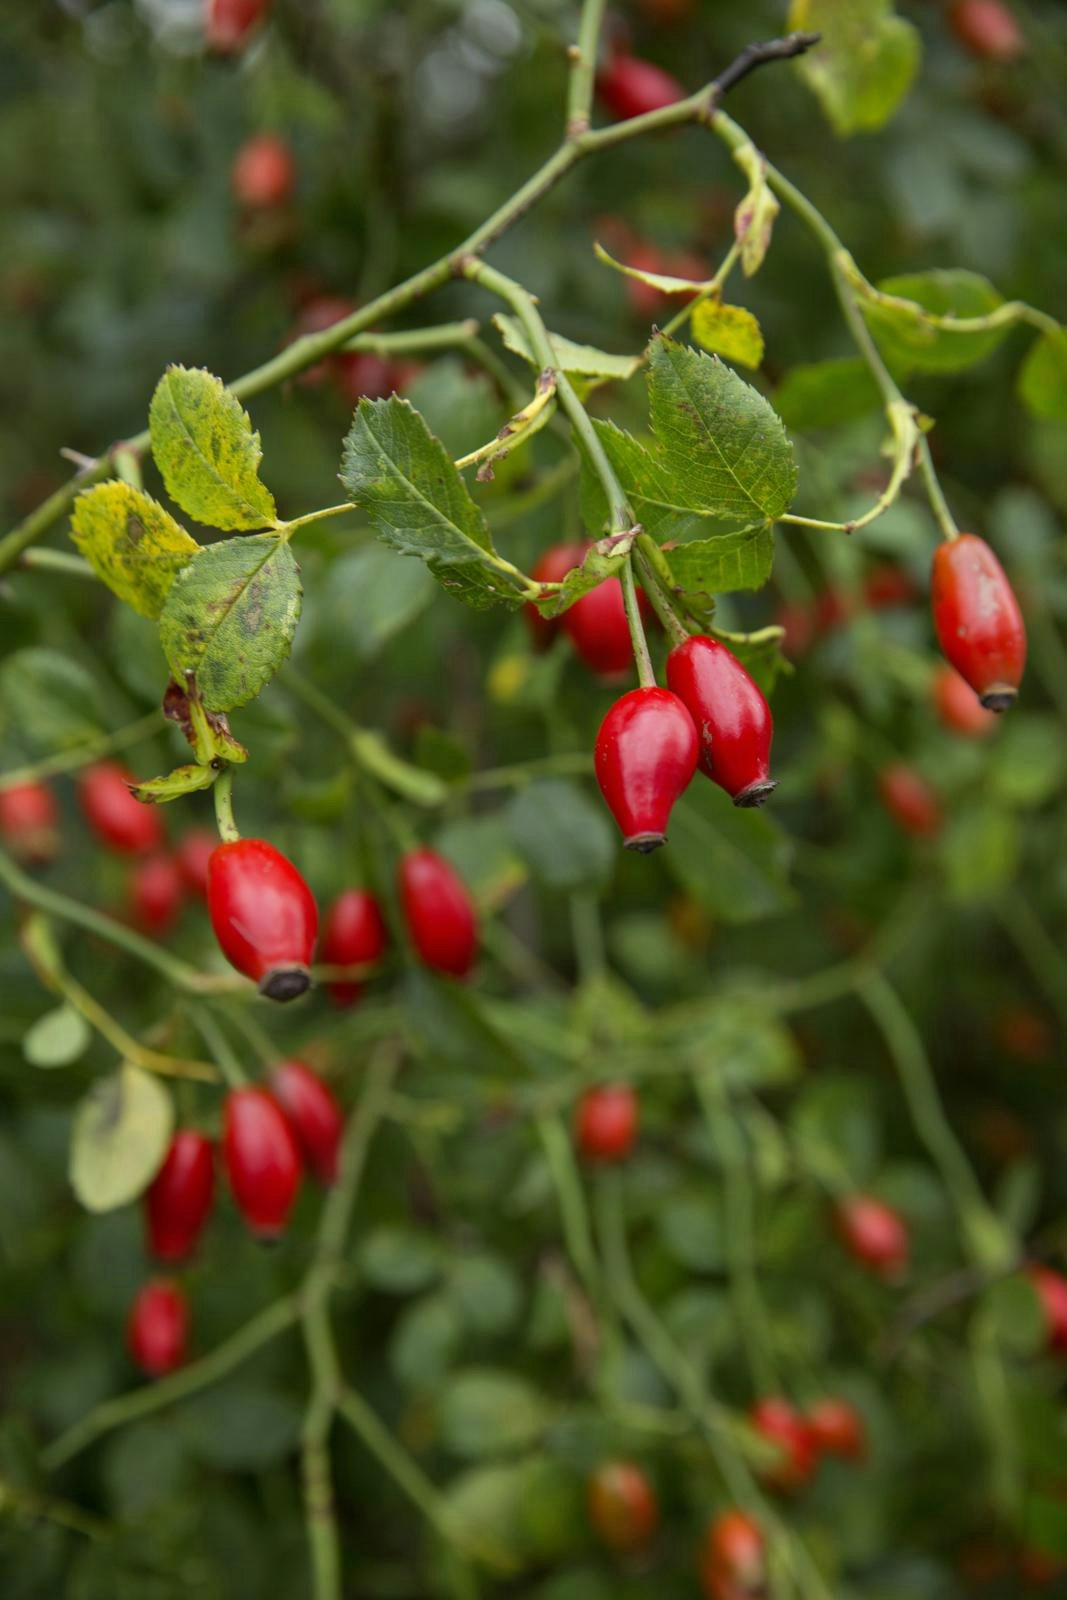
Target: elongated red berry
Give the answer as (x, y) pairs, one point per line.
(552, 567)
(312, 1113)
(646, 754)
(179, 1199)
(156, 890)
(1051, 1288)
(732, 1564)
(597, 628)
(782, 1425)
(228, 24)
(439, 912)
(874, 1234)
(958, 707)
(622, 1505)
(629, 87)
(353, 936)
(29, 823)
(157, 1331)
(910, 800)
(836, 1429)
(264, 916)
(193, 852)
(605, 1122)
(732, 718)
(263, 175)
(118, 820)
(262, 1160)
(979, 625)
(987, 29)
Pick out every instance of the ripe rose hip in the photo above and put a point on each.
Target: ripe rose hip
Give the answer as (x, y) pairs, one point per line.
(731, 716)
(361, 375)
(552, 567)
(646, 755)
(117, 819)
(836, 1429)
(228, 23)
(193, 852)
(264, 916)
(261, 1159)
(874, 1234)
(264, 172)
(629, 87)
(732, 1565)
(978, 621)
(157, 1330)
(887, 586)
(318, 314)
(605, 1122)
(29, 823)
(910, 800)
(155, 892)
(782, 1425)
(1051, 1288)
(987, 29)
(596, 626)
(622, 1505)
(958, 707)
(179, 1199)
(353, 936)
(313, 1115)
(439, 912)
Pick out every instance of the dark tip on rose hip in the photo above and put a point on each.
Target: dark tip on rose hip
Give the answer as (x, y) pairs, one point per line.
(999, 697)
(757, 794)
(645, 843)
(285, 983)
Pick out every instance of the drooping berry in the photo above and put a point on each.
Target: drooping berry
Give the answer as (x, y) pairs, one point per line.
(874, 1234)
(1051, 1289)
(157, 1331)
(29, 823)
(629, 86)
(782, 1425)
(193, 852)
(979, 625)
(262, 1160)
(263, 175)
(155, 892)
(179, 1199)
(228, 24)
(910, 800)
(836, 1429)
(732, 1565)
(622, 1505)
(353, 935)
(552, 567)
(363, 375)
(731, 716)
(987, 29)
(264, 916)
(439, 912)
(597, 628)
(958, 707)
(312, 1113)
(646, 754)
(605, 1122)
(118, 820)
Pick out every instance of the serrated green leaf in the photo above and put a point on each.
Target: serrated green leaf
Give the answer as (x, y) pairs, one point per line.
(664, 282)
(207, 452)
(580, 580)
(48, 700)
(402, 476)
(865, 63)
(120, 1135)
(230, 619)
(577, 360)
(824, 394)
(57, 1038)
(132, 544)
(1043, 377)
(728, 331)
(721, 565)
(182, 781)
(910, 341)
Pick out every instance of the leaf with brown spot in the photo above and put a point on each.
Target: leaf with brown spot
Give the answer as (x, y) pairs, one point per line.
(132, 544)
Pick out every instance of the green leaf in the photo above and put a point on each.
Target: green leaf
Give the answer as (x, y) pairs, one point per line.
(425, 1342)
(562, 834)
(402, 476)
(1043, 377)
(131, 543)
(755, 215)
(57, 1038)
(182, 781)
(728, 331)
(836, 1128)
(240, 1427)
(910, 341)
(721, 565)
(980, 850)
(485, 1291)
(664, 282)
(1028, 765)
(399, 1259)
(120, 1135)
(865, 63)
(230, 619)
(762, 658)
(48, 700)
(442, 753)
(484, 1412)
(734, 1036)
(576, 360)
(368, 597)
(824, 394)
(732, 860)
(206, 451)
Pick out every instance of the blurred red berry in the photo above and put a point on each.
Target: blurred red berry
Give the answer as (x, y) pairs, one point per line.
(605, 1123)
(29, 823)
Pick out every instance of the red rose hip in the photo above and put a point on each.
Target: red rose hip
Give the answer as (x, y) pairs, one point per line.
(552, 567)
(732, 1565)
(874, 1234)
(781, 1424)
(629, 87)
(353, 936)
(264, 916)
(910, 800)
(29, 823)
(622, 1505)
(958, 707)
(646, 755)
(978, 621)
(192, 853)
(179, 1200)
(313, 1115)
(605, 1123)
(987, 29)
(262, 1160)
(155, 892)
(597, 628)
(157, 1331)
(731, 716)
(228, 23)
(1051, 1290)
(263, 175)
(836, 1429)
(439, 912)
(117, 819)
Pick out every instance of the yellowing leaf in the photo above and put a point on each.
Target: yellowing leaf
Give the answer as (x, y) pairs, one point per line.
(1043, 377)
(754, 217)
(663, 281)
(132, 544)
(728, 331)
(120, 1135)
(204, 446)
(864, 65)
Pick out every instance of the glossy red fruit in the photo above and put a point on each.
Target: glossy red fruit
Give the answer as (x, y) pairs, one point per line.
(910, 800)
(29, 823)
(262, 1160)
(731, 716)
(732, 1565)
(313, 1115)
(622, 1505)
(354, 935)
(264, 916)
(596, 626)
(605, 1122)
(193, 852)
(987, 29)
(117, 819)
(836, 1429)
(782, 1425)
(155, 891)
(978, 621)
(180, 1197)
(552, 567)
(263, 175)
(1051, 1288)
(157, 1331)
(629, 87)
(439, 912)
(646, 755)
(228, 24)
(958, 707)
(874, 1234)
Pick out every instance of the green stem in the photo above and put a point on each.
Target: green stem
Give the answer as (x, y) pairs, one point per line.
(222, 1052)
(90, 750)
(57, 561)
(645, 671)
(587, 933)
(289, 528)
(368, 748)
(1039, 951)
(416, 341)
(934, 492)
(658, 597)
(583, 67)
(223, 794)
(577, 1232)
